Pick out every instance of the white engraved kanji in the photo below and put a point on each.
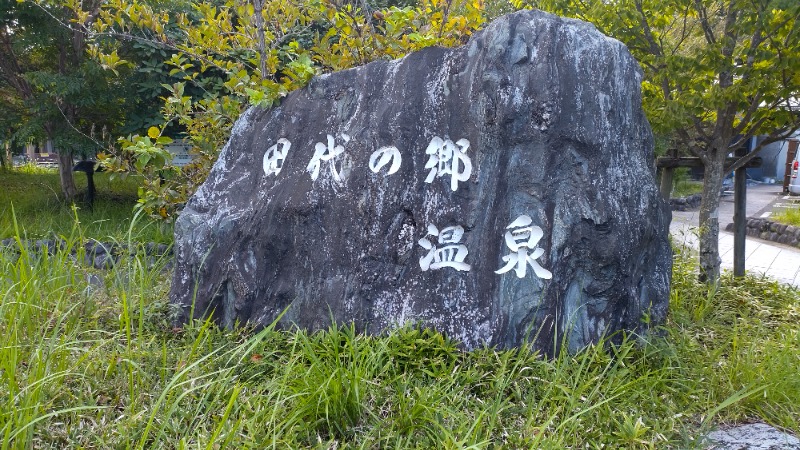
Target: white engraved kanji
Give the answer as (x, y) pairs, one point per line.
(328, 153)
(451, 255)
(382, 156)
(273, 157)
(522, 238)
(448, 158)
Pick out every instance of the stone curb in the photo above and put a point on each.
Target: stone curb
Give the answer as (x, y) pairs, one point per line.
(688, 203)
(771, 231)
(100, 255)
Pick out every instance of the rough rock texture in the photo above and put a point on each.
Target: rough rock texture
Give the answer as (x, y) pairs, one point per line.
(551, 110)
(687, 203)
(754, 436)
(100, 255)
(768, 230)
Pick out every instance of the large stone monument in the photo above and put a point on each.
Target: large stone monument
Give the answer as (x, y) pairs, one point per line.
(498, 192)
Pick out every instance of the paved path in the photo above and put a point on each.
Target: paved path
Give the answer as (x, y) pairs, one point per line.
(776, 261)
(781, 262)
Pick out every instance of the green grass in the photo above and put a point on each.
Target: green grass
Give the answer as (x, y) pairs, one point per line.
(788, 216)
(98, 365)
(35, 195)
(686, 187)
(683, 185)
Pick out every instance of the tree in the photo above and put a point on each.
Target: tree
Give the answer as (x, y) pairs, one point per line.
(61, 95)
(9, 120)
(717, 72)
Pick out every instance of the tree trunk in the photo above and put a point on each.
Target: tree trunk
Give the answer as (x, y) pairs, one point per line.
(65, 174)
(709, 219)
(258, 7)
(9, 157)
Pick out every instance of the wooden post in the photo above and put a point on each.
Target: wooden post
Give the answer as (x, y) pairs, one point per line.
(739, 216)
(667, 176)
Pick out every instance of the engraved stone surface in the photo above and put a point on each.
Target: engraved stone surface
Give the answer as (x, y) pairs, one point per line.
(498, 192)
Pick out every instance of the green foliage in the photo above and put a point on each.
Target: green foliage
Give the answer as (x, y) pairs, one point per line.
(55, 91)
(683, 185)
(716, 73)
(741, 330)
(146, 156)
(685, 188)
(52, 89)
(702, 58)
(33, 192)
(225, 57)
(789, 216)
(97, 365)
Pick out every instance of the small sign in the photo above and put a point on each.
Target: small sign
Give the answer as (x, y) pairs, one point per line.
(180, 153)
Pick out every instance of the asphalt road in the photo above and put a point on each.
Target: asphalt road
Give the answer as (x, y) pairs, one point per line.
(761, 199)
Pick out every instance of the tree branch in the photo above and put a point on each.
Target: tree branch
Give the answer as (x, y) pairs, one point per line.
(748, 115)
(708, 31)
(648, 32)
(10, 69)
(258, 7)
(778, 135)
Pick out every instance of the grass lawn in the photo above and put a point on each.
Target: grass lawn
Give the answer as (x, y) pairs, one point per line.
(38, 205)
(88, 364)
(789, 216)
(686, 187)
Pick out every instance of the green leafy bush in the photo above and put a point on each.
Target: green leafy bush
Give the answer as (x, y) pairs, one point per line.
(227, 57)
